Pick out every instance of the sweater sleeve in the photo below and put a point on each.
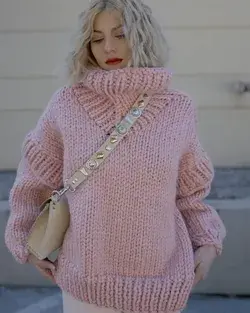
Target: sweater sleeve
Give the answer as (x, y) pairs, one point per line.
(196, 173)
(39, 172)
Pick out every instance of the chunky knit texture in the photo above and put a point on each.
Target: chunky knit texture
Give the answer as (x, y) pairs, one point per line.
(137, 220)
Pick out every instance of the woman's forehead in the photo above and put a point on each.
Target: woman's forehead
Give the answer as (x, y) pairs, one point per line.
(111, 19)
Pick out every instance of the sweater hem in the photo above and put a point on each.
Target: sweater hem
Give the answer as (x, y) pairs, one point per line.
(125, 293)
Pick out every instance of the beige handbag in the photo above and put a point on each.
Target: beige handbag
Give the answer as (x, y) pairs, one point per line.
(48, 231)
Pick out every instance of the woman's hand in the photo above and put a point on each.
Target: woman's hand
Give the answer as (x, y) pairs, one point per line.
(203, 259)
(45, 267)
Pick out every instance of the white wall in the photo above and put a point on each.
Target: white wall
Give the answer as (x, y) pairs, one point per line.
(210, 49)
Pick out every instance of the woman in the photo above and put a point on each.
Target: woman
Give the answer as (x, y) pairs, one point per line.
(140, 235)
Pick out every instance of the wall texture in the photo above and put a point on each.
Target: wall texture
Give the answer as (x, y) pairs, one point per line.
(209, 52)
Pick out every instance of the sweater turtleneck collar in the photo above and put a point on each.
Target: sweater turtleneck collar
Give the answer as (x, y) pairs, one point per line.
(108, 95)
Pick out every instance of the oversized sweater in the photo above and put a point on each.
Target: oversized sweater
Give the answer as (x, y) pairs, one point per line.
(136, 222)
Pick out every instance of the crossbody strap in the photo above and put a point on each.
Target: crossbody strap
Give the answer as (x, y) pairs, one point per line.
(107, 148)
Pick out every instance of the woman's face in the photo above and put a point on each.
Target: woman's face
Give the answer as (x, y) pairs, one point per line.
(108, 44)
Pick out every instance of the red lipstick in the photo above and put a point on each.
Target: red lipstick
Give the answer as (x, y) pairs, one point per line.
(113, 61)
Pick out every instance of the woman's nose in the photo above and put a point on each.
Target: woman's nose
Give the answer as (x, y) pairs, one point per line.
(109, 45)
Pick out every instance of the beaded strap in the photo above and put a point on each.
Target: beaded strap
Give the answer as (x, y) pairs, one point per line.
(108, 147)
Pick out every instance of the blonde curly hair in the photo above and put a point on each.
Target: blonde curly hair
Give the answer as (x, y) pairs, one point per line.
(147, 42)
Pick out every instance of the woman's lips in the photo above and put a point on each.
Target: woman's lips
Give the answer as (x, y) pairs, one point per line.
(113, 61)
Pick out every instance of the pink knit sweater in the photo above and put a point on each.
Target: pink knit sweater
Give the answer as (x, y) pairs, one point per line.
(136, 221)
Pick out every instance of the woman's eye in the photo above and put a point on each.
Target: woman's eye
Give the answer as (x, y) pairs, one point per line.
(120, 36)
(97, 40)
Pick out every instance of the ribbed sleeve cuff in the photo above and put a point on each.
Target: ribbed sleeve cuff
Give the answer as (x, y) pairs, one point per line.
(217, 245)
(21, 254)
(205, 226)
(19, 251)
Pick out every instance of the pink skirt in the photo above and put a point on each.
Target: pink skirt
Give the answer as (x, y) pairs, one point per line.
(71, 305)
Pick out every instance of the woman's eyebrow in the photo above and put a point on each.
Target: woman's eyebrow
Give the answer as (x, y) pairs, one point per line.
(113, 29)
(117, 27)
